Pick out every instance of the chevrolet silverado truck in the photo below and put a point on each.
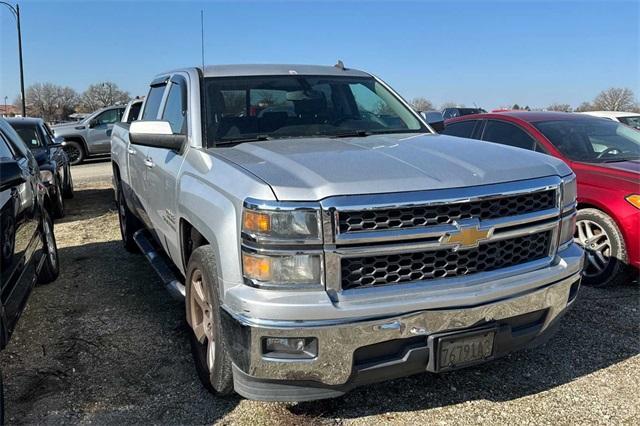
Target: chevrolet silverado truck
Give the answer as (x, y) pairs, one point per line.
(323, 237)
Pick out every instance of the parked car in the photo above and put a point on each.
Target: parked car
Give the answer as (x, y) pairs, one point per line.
(434, 119)
(605, 156)
(629, 118)
(448, 113)
(55, 169)
(28, 246)
(90, 136)
(345, 244)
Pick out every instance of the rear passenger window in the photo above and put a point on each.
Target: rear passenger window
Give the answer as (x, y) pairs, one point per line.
(462, 129)
(152, 105)
(174, 110)
(507, 134)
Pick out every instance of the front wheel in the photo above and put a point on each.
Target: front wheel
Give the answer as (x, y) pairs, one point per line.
(606, 254)
(208, 346)
(75, 152)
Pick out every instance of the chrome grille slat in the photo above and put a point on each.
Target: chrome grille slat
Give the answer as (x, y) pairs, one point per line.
(371, 271)
(424, 216)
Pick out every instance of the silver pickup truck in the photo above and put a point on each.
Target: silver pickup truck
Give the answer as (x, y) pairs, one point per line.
(324, 237)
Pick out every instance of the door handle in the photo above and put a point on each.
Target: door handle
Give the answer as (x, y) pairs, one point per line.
(149, 162)
(131, 151)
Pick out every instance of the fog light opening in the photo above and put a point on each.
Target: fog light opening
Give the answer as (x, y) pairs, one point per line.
(290, 347)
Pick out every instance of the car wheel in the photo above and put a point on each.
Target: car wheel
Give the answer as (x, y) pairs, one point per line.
(129, 224)
(57, 203)
(51, 267)
(208, 346)
(75, 152)
(68, 188)
(606, 255)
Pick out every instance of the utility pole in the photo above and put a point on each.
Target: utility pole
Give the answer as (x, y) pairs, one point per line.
(5, 106)
(16, 14)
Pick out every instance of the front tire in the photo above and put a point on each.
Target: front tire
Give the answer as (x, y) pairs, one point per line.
(75, 152)
(208, 346)
(129, 224)
(51, 268)
(606, 262)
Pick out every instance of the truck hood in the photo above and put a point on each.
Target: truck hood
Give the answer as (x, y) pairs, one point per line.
(67, 128)
(316, 168)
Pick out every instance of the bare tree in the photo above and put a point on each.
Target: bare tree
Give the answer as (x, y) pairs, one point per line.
(585, 106)
(615, 99)
(421, 104)
(101, 95)
(559, 107)
(49, 101)
(451, 105)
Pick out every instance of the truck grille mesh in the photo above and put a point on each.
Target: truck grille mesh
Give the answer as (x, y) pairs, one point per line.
(373, 271)
(410, 217)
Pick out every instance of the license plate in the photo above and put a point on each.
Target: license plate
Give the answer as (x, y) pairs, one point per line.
(458, 351)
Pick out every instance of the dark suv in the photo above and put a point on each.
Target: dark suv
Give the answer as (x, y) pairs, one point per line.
(28, 247)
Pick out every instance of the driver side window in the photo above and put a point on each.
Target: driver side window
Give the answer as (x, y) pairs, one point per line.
(108, 117)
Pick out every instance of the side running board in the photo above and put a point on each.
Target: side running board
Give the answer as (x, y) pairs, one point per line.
(160, 265)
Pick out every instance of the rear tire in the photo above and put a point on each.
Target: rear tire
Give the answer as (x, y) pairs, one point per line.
(57, 203)
(51, 268)
(129, 224)
(606, 262)
(208, 346)
(75, 152)
(68, 188)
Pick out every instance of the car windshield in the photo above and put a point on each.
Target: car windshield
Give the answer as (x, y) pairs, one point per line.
(29, 135)
(633, 121)
(592, 140)
(249, 108)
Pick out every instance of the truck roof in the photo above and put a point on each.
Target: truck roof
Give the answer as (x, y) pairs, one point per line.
(279, 69)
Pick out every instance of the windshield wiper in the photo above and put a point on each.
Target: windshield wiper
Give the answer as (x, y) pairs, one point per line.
(258, 138)
(353, 134)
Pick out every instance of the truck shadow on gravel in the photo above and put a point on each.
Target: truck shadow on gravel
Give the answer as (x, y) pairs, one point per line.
(601, 330)
(95, 203)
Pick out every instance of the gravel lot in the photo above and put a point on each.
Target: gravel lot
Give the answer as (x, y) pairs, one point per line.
(106, 344)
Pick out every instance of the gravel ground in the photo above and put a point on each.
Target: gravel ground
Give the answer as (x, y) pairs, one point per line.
(106, 344)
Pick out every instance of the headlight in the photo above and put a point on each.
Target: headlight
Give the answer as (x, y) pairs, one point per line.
(569, 192)
(282, 225)
(568, 211)
(634, 200)
(46, 176)
(282, 270)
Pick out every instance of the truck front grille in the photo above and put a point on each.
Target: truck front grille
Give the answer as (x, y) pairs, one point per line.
(371, 271)
(415, 216)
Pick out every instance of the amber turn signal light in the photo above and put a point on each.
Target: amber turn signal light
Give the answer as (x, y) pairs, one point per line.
(634, 200)
(256, 222)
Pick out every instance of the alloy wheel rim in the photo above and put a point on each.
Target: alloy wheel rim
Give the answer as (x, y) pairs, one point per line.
(73, 153)
(201, 316)
(597, 244)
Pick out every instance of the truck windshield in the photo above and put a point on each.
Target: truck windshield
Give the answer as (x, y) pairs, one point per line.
(247, 108)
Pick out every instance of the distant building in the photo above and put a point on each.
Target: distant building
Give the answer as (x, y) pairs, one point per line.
(9, 111)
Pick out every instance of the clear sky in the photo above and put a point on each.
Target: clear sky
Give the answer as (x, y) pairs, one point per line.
(493, 53)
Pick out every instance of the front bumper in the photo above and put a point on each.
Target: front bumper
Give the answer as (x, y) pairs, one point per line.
(342, 345)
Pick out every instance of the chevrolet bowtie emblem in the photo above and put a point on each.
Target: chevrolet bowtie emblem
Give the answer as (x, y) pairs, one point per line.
(469, 234)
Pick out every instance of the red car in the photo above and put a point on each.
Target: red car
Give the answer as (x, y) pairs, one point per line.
(605, 156)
